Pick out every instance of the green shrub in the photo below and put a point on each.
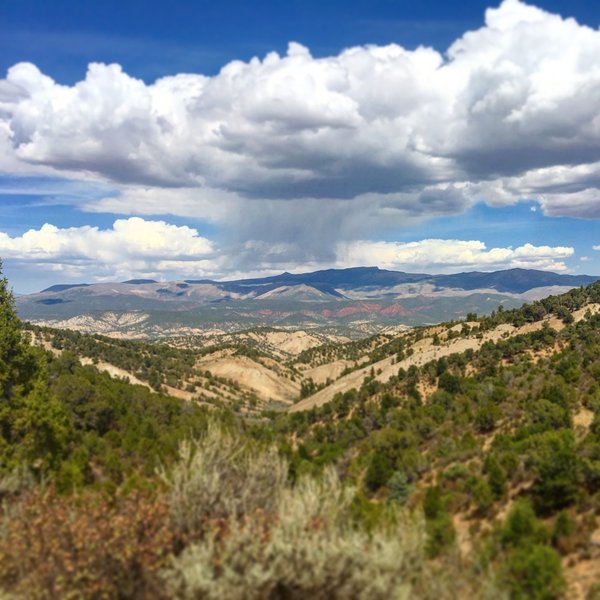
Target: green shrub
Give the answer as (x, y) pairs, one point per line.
(557, 467)
(534, 573)
(399, 488)
(440, 530)
(379, 472)
(496, 476)
(486, 417)
(483, 496)
(522, 527)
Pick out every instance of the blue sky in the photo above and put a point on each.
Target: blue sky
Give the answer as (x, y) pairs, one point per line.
(425, 136)
(153, 38)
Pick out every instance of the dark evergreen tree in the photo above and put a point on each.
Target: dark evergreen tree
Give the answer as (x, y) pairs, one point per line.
(11, 350)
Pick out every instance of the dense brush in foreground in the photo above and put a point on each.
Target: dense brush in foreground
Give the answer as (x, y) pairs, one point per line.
(226, 523)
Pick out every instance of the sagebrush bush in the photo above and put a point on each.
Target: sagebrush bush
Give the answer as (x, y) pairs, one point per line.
(303, 549)
(221, 476)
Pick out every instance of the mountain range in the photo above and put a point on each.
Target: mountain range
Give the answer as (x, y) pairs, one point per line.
(355, 301)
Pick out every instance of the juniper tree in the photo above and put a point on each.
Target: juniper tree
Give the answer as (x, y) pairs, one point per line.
(10, 339)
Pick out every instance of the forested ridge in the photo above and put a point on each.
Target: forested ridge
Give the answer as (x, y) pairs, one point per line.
(475, 475)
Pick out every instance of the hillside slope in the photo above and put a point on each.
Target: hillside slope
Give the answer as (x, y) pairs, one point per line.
(491, 426)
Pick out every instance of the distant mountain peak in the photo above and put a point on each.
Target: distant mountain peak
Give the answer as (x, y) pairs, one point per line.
(62, 287)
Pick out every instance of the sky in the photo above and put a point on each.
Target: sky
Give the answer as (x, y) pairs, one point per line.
(196, 139)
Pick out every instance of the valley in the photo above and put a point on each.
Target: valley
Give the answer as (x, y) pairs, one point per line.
(482, 426)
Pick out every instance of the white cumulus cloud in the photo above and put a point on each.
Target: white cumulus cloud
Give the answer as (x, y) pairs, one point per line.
(436, 255)
(517, 95)
(132, 245)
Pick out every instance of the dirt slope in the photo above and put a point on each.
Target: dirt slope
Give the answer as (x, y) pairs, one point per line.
(330, 370)
(425, 351)
(253, 376)
(287, 342)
